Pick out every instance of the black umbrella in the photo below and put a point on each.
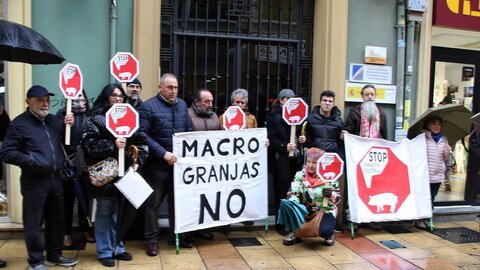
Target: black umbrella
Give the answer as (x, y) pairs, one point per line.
(19, 43)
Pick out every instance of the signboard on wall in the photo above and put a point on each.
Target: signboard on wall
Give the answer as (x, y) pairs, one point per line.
(457, 14)
(370, 74)
(385, 93)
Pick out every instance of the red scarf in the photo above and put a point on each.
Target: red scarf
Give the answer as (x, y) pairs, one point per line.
(312, 179)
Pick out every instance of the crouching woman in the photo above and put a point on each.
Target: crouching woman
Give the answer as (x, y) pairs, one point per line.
(308, 189)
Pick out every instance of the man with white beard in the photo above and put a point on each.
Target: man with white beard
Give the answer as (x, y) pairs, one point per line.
(33, 142)
(366, 119)
(134, 88)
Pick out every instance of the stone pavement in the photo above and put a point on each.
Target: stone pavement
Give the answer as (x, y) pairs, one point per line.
(423, 250)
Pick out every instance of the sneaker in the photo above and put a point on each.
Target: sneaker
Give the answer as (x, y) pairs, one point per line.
(62, 261)
(329, 241)
(39, 267)
(125, 256)
(107, 262)
(291, 239)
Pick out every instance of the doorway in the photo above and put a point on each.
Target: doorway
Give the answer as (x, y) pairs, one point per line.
(455, 79)
(261, 46)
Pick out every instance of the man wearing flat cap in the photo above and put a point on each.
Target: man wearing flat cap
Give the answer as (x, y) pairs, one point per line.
(34, 143)
(134, 88)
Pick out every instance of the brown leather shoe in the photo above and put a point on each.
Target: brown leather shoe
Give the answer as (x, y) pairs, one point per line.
(152, 249)
(67, 241)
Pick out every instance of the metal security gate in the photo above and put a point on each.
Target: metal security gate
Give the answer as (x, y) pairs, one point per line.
(262, 46)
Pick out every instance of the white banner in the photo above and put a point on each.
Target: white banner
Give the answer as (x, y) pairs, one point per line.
(387, 181)
(220, 178)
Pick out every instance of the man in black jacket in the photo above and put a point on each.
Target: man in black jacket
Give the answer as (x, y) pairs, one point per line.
(324, 125)
(33, 142)
(160, 117)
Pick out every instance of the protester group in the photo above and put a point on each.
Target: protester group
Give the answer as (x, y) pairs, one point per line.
(34, 142)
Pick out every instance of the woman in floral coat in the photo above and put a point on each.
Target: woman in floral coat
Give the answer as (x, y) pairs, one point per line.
(307, 188)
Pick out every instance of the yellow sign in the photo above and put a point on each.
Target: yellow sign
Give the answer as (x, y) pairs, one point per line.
(384, 93)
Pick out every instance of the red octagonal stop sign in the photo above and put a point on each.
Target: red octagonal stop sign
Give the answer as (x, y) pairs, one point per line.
(122, 120)
(70, 80)
(330, 167)
(295, 111)
(382, 180)
(124, 67)
(234, 118)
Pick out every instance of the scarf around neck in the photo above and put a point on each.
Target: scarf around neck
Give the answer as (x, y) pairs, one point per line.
(369, 129)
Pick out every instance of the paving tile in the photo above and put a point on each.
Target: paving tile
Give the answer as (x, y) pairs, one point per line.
(213, 251)
(309, 262)
(338, 253)
(242, 234)
(227, 264)
(454, 256)
(386, 260)
(356, 266)
(271, 235)
(472, 225)
(184, 261)
(359, 243)
(411, 253)
(138, 267)
(14, 248)
(297, 250)
(421, 240)
(15, 262)
(433, 263)
(263, 259)
(90, 249)
(87, 262)
(469, 248)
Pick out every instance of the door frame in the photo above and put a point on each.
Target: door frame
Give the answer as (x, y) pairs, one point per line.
(470, 57)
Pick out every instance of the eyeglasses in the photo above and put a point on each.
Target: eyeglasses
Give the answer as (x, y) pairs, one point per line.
(117, 96)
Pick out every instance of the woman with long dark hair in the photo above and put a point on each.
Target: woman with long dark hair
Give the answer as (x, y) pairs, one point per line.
(99, 144)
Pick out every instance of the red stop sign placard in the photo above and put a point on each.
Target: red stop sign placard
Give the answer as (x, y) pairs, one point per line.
(295, 111)
(234, 118)
(330, 167)
(70, 80)
(382, 180)
(122, 120)
(124, 67)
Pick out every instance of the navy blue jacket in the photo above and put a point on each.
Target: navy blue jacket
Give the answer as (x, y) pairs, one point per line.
(159, 120)
(324, 132)
(34, 145)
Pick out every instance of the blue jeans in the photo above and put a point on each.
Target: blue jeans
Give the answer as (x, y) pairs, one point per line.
(105, 228)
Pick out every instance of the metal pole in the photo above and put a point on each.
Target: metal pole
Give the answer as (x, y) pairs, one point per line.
(409, 91)
(113, 32)
(400, 64)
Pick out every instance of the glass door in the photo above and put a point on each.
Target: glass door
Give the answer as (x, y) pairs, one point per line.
(454, 80)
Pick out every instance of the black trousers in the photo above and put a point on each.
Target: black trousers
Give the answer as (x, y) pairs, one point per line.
(69, 196)
(162, 185)
(42, 197)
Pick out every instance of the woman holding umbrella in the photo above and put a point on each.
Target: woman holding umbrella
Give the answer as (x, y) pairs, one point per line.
(73, 187)
(438, 151)
(308, 189)
(99, 144)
